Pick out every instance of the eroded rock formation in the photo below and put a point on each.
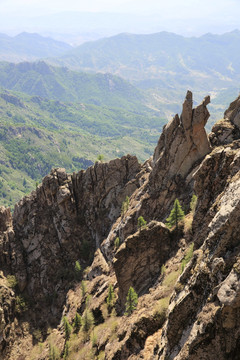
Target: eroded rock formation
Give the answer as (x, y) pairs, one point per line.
(139, 260)
(189, 304)
(181, 146)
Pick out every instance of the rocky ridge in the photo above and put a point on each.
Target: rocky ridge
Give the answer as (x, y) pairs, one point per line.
(189, 312)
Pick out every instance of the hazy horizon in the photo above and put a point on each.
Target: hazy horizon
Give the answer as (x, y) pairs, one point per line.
(78, 22)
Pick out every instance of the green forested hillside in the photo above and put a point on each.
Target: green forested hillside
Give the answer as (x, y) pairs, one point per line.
(62, 84)
(166, 65)
(37, 134)
(155, 56)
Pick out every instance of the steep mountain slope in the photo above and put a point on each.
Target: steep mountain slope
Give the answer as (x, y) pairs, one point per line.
(155, 56)
(62, 84)
(37, 134)
(26, 46)
(166, 64)
(187, 278)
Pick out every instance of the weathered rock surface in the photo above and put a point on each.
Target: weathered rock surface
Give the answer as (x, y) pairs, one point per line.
(203, 318)
(7, 306)
(182, 145)
(139, 260)
(187, 310)
(211, 182)
(64, 220)
(228, 129)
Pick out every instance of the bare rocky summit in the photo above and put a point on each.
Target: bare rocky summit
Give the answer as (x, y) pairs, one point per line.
(187, 279)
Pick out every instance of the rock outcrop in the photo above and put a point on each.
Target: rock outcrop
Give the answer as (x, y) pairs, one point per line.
(203, 318)
(63, 221)
(227, 130)
(187, 279)
(180, 149)
(139, 260)
(7, 307)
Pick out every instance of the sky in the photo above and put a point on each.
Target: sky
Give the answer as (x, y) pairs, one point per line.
(187, 17)
(176, 7)
(172, 7)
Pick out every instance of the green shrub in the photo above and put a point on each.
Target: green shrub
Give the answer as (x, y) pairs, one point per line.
(161, 310)
(83, 288)
(163, 269)
(21, 304)
(193, 203)
(78, 270)
(100, 157)
(12, 281)
(187, 257)
(125, 206)
(141, 222)
(116, 243)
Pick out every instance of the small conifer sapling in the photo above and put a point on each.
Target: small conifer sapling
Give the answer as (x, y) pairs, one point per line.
(87, 320)
(77, 323)
(132, 301)
(141, 222)
(176, 215)
(67, 328)
(110, 298)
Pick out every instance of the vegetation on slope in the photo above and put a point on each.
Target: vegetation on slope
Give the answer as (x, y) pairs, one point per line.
(166, 65)
(37, 134)
(62, 84)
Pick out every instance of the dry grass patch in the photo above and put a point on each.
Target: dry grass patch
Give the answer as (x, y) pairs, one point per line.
(160, 309)
(170, 279)
(106, 331)
(188, 224)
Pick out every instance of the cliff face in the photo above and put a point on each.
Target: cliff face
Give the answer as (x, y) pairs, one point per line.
(188, 305)
(63, 221)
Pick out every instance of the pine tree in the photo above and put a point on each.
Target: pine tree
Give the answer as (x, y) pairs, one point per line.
(110, 298)
(141, 222)
(132, 300)
(77, 323)
(176, 215)
(87, 320)
(67, 328)
(66, 351)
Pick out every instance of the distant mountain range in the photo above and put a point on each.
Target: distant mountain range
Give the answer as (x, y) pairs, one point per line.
(164, 56)
(166, 65)
(27, 46)
(56, 116)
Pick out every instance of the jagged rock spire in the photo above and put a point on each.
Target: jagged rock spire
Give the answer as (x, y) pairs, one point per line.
(183, 140)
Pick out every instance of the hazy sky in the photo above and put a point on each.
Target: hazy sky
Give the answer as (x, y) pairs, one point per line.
(174, 8)
(187, 17)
